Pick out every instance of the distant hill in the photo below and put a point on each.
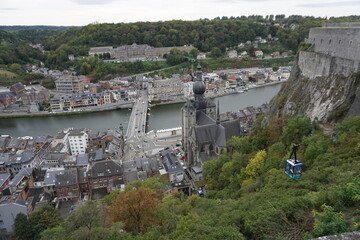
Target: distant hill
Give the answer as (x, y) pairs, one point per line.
(203, 34)
(34, 34)
(13, 50)
(38, 27)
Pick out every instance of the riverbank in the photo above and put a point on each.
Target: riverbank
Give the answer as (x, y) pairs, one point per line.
(162, 117)
(220, 94)
(108, 107)
(114, 106)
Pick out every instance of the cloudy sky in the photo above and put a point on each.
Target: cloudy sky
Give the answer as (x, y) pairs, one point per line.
(83, 12)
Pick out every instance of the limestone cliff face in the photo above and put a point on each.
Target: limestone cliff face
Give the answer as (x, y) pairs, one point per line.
(322, 87)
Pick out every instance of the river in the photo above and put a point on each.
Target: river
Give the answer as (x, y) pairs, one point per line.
(165, 116)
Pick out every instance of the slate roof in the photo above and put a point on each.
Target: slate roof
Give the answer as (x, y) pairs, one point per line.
(4, 158)
(220, 138)
(171, 163)
(232, 128)
(205, 133)
(104, 169)
(82, 159)
(130, 166)
(203, 119)
(4, 177)
(77, 132)
(97, 155)
(131, 176)
(50, 175)
(54, 156)
(147, 164)
(25, 172)
(67, 178)
(27, 156)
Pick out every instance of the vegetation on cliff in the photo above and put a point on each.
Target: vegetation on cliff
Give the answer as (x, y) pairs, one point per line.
(249, 195)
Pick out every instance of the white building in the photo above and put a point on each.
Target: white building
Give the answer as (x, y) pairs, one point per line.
(188, 89)
(259, 53)
(232, 54)
(166, 88)
(201, 56)
(78, 141)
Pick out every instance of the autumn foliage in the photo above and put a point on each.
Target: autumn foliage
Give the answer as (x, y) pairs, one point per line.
(135, 208)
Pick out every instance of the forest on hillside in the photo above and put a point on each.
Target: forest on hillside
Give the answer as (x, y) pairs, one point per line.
(249, 195)
(214, 36)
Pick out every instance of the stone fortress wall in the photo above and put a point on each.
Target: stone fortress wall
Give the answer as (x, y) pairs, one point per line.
(338, 40)
(335, 50)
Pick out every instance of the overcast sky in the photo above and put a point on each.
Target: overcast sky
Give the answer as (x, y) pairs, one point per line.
(83, 12)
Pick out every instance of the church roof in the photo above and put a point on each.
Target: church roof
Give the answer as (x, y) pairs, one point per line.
(203, 119)
(220, 136)
(206, 133)
(232, 128)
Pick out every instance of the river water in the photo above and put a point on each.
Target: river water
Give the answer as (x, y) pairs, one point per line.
(162, 117)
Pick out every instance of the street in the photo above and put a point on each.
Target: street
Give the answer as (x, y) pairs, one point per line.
(138, 143)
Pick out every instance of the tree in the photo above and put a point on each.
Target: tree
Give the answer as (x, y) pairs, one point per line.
(85, 68)
(175, 56)
(86, 218)
(135, 208)
(253, 169)
(44, 218)
(275, 68)
(242, 145)
(296, 128)
(23, 230)
(38, 221)
(328, 222)
(215, 52)
(55, 233)
(194, 53)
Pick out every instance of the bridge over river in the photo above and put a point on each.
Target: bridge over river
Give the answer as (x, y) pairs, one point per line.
(138, 142)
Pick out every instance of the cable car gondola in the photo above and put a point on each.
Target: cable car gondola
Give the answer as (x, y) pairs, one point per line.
(293, 167)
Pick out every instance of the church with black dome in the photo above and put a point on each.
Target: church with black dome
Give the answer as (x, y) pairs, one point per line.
(203, 134)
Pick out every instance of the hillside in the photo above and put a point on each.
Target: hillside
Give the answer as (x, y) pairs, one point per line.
(13, 50)
(249, 196)
(203, 34)
(33, 34)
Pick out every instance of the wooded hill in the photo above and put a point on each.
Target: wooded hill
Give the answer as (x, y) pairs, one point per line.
(13, 50)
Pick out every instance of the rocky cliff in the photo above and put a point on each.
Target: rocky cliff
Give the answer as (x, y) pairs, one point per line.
(322, 87)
